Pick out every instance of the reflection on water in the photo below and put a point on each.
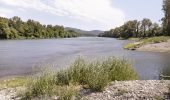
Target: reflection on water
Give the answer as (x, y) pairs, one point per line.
(20, 57)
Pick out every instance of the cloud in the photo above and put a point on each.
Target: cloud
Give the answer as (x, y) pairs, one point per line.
(4, 12)
(93, 11)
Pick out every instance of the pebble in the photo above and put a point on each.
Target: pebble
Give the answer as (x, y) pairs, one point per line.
(118, 90)
(133, 90)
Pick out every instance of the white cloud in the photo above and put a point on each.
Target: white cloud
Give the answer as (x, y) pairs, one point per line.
(4, 12)
(94, 11)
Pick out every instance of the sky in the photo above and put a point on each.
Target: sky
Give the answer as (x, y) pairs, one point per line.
(83, 14)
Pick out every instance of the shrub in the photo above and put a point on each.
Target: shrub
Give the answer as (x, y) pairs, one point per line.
(40, 86)
(119, 69)
(95, 75)
(78, 71)
(66, 92)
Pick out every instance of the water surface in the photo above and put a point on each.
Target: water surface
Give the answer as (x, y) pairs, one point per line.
(22, 57)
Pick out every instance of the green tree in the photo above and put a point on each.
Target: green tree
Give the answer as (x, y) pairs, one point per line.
(145, 26)
(166, 19)
(15, 28)
(135, 28)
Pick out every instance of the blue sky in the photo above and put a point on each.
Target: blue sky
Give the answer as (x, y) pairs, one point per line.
(83, 14)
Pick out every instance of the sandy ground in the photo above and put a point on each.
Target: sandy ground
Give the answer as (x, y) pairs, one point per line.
(157, 47)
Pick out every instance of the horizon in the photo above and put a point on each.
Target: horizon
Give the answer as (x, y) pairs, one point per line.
(106, 15)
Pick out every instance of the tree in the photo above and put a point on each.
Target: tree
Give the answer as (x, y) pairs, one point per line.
(166, 19)
(145, 26)
(15, 28)
(134, 28)
(156, 30)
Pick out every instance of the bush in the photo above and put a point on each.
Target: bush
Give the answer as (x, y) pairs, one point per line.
(40, 86)
(97, 77)
(119, 69)
(94, 75)
(66, 92)
(78, 71)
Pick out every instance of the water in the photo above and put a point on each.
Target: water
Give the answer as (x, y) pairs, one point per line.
(23, 57)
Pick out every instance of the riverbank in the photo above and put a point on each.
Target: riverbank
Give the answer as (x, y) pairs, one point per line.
(157, 47)
(116, 90)
(154, 44)
(133, 90)
(68, 82)
(111, 78)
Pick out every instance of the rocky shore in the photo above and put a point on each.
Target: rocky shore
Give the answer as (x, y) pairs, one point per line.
(134, 90)
(118, 90)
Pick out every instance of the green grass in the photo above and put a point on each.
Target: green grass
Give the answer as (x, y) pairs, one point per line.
(156, 39)
(133, 46)
(134, 39)
(13, 82)
(140, 42)
(67, 83)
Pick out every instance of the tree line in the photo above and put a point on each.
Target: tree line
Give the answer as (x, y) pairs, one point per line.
(135, 28)
(166, 18)
(15, 28)
(143, 28)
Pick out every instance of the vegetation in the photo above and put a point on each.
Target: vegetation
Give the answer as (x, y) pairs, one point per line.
(144, 28)
(166, 19)
(135, 29)
(146, 41)
(15, 28)
(93, 75)
(14, 82)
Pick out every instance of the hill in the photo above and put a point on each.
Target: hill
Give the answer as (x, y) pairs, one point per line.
(84, 32)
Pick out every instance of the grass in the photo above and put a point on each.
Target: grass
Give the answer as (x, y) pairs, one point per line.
(133, 46)
(13, 82)
(67, 83)
(140, 42)
(134, 39)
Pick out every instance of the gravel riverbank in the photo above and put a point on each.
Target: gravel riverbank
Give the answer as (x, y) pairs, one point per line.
(118, 90)
(156, 47)
(133, 90)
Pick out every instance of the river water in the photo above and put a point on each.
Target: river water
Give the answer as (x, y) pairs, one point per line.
(23, 57)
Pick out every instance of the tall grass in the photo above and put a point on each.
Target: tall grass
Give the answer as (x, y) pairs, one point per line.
(94, 75)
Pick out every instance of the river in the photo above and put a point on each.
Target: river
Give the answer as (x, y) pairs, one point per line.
(24, 57)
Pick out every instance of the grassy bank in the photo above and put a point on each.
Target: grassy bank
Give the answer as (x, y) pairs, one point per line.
(140, 42)
(13, 82)
(67, 83)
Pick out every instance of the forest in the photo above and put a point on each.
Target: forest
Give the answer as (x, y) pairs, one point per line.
(143, 28)
(15, 28)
